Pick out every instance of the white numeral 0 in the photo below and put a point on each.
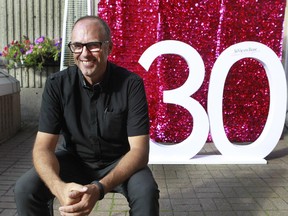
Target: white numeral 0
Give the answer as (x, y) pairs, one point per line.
(271, 133)
(184, 151)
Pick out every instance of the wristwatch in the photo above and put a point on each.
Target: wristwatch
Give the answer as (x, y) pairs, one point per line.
(100, 187)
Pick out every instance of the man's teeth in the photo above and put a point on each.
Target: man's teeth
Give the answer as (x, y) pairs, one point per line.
(86, 62)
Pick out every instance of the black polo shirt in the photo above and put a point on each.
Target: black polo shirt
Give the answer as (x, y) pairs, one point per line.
(95, 121)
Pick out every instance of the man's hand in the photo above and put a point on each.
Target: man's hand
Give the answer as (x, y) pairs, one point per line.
(82, 200)
(66, 193)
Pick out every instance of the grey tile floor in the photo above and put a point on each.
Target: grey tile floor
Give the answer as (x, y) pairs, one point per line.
(241, 190)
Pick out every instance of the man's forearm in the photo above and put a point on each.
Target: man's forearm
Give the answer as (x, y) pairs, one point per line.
(126, 167)
(45, 161)
(134, 160)
(47, 166)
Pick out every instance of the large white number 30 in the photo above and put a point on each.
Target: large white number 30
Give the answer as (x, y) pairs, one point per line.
(185, 152)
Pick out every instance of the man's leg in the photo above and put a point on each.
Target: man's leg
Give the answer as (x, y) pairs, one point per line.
(140, 190)
(32, 196)
(142, 193)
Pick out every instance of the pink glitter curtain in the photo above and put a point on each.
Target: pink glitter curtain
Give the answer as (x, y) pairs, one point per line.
(210, 27)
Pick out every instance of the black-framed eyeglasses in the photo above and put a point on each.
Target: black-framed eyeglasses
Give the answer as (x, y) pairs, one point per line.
(77, 48)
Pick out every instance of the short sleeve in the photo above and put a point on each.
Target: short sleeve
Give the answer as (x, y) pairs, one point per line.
(51, 113)
(138, 118)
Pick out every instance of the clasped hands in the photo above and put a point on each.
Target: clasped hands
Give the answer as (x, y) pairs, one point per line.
(76, 199)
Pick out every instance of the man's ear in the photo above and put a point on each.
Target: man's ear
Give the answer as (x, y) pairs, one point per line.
(110, 47)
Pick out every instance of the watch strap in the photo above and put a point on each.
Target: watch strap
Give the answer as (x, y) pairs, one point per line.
(101, 189)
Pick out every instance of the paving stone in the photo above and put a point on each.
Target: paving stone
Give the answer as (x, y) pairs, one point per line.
(185, 190)
(8, 212)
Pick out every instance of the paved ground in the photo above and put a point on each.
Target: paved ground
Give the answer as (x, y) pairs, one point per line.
(185, 189)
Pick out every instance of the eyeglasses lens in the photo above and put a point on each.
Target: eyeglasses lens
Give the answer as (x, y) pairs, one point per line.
(92, 47)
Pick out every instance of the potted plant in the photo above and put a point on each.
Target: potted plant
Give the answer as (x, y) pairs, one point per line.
(35, 54)
(31, 62)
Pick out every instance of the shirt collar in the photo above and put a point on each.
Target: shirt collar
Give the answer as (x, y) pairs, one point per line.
(102, 85)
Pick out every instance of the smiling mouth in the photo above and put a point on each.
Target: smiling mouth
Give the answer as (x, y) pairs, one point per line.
(87, 62)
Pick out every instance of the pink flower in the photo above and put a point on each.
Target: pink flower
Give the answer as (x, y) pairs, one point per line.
(40, 40)
(29, 52)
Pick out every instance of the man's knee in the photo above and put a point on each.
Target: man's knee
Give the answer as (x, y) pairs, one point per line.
(142, 184)
(32, 196)
(30, 184)
(22, 186)
(143, 194)
(148, 190)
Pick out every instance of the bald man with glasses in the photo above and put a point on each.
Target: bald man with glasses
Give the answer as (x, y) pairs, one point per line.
(102, 113)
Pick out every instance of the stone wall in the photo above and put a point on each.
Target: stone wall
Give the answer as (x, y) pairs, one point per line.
(32, 83)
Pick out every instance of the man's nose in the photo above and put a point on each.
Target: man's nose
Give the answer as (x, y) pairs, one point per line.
(86, 51)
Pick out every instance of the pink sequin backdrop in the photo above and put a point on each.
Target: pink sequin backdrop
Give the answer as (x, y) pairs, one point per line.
(210, 27)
